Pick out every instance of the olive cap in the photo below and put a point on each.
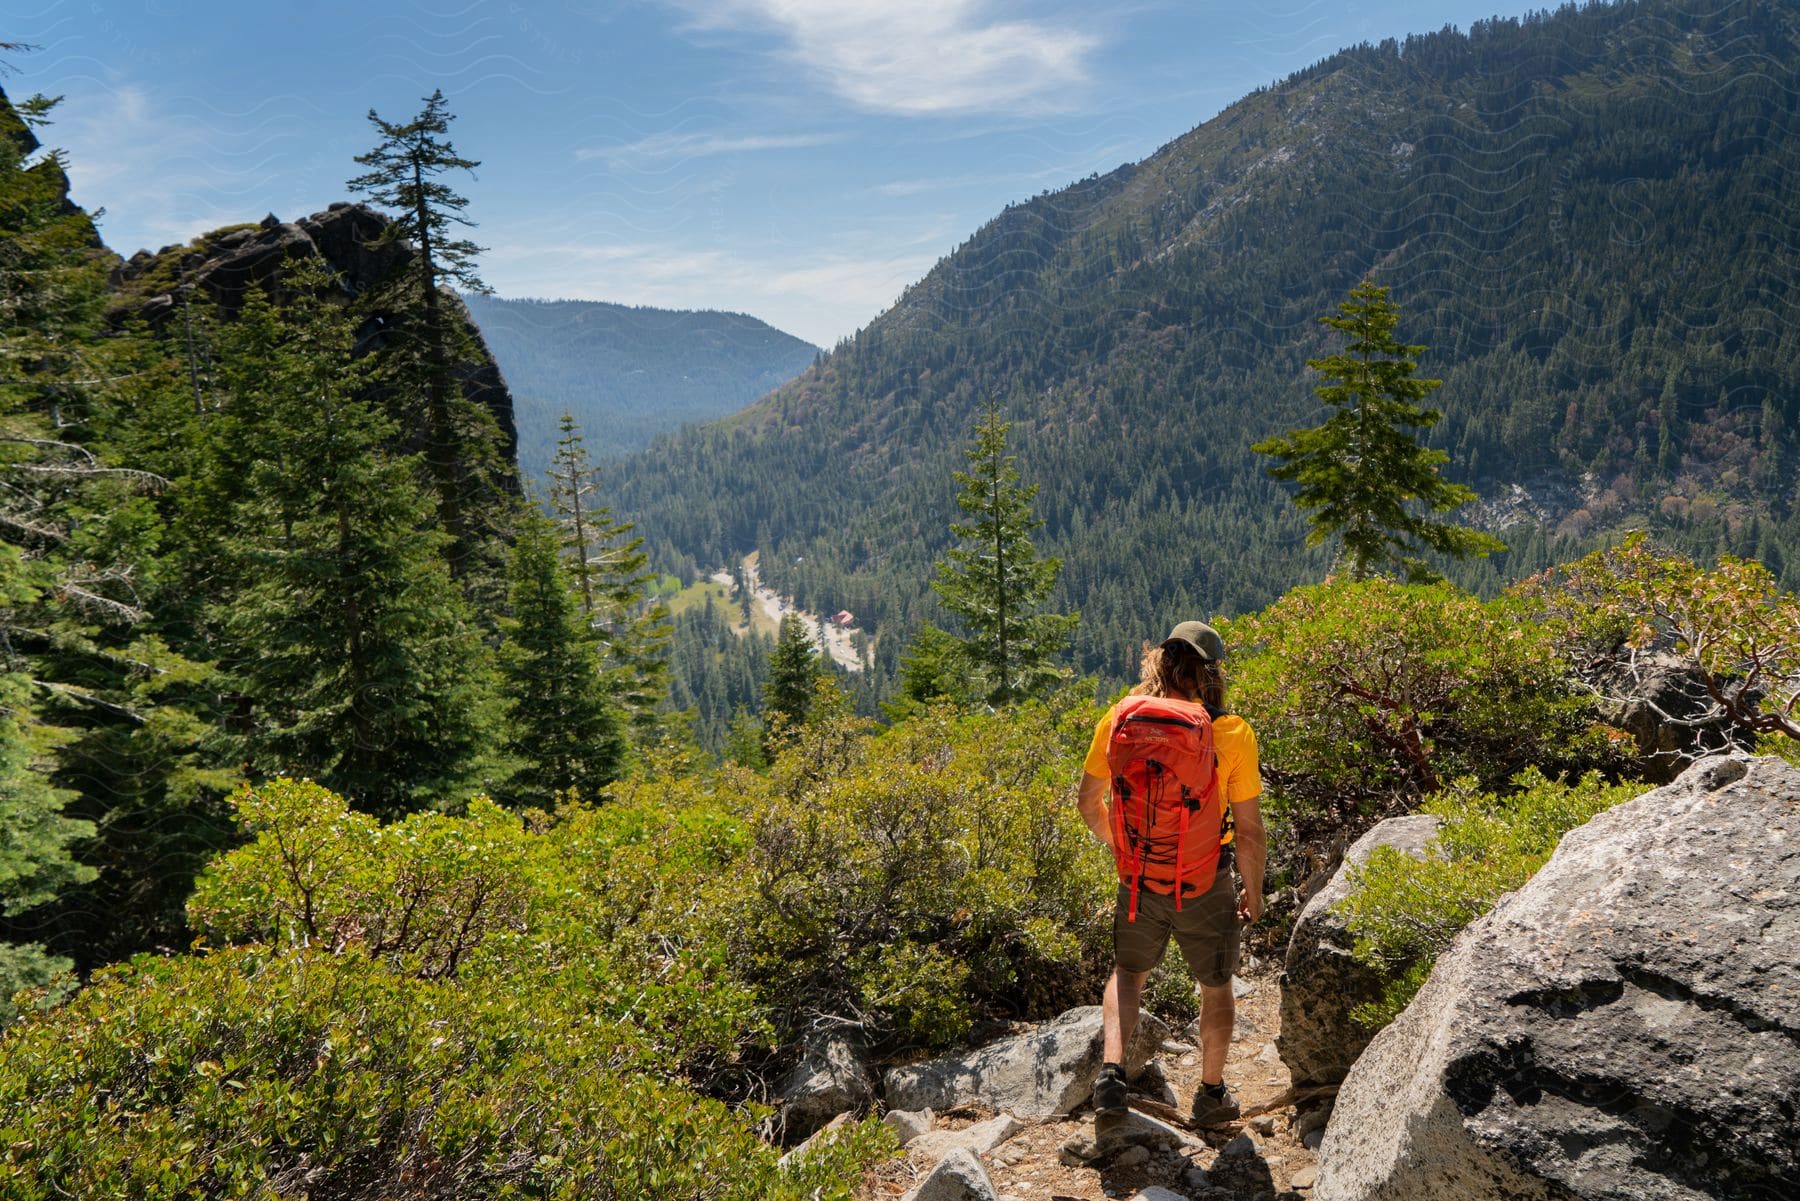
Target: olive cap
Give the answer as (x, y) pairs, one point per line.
(1200, 636)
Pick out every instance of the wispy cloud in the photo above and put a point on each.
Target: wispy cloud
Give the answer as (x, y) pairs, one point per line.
(700, 145)
(165, 173)
(921, 57)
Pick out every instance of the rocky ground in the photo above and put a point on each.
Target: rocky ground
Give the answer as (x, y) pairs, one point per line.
(1264, 1156)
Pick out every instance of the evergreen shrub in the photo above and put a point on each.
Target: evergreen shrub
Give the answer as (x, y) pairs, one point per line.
(918, 882)
(492, 1005)
(1404, 912)
(262, 1072)
(1368, 696)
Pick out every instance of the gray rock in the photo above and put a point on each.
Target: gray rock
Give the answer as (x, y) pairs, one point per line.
(1626, 1025)
(1312, 1140)
(908, 1124)
(1045, 1073)
(959, 1176)
(1113, 1133)
(1154, 1082)
(1315, 1118)
(1157, 1193)
(817, 1139)
(1321, 984)
(830, 1079)
(1132, 1157)
(1304, 1177)
(980, 1138)
(1243, 1146)
(1660, 699)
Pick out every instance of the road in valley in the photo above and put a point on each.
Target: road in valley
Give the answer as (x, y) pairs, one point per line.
(839, 641)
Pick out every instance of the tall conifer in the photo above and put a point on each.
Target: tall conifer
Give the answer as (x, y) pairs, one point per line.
(1362, 474)
(424, 333)
(75, 674)
(563, 729)
(611, 576)
(996, 582)
(793, 672)
(357, 659)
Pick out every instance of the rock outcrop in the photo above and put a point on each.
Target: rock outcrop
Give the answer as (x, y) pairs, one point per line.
(1626, 1025)
(1321, 984)
(829, 1080)
(1033, 1076)
(222, 266)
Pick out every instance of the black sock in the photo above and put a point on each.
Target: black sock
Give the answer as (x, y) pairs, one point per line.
(1117, 1069)
(1214, 1090)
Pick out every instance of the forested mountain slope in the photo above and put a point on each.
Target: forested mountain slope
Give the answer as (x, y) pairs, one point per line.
(628, 373)
(1588, 216)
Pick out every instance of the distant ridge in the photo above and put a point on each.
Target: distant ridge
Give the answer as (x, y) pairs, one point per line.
(628, 373)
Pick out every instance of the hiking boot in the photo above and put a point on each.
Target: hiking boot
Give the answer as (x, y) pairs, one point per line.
(1214, 1106)
(1110, 1089)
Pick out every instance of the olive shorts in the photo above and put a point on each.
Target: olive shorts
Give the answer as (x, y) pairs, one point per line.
(1206, 930)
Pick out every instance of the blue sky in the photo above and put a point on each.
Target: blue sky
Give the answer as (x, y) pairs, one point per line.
(800, 160)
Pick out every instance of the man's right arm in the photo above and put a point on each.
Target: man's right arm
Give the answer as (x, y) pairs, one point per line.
(1092, 803)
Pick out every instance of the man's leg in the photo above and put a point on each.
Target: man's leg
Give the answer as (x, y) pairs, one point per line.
(1218, 1013)
(1124, 993)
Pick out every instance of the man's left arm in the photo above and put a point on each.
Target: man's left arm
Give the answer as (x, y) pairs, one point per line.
(1252, 842)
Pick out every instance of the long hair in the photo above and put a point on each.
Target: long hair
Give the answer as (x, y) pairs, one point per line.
(1178, 670)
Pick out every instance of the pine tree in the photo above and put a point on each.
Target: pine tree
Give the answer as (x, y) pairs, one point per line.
(356, 658)
(611, 575)
(996, 582)
(85, 730)
(932, 669)
(1773, 473)
(793, 672)
(425, 336)
(1668, 422)
(1359, 472)
(563, 728)
(744, 741)
(36, 838)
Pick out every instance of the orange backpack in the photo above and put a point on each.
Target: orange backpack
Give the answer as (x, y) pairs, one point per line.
(1166, 809)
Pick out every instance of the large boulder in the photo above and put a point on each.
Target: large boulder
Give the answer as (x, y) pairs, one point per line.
(830, 1079)
(1041, 1074)
(1320, 983)
(1626, 1025)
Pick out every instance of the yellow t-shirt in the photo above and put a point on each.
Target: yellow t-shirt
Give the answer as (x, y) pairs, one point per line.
(1240, 776)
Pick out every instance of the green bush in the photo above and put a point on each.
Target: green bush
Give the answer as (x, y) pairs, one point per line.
(919, 881)
(1404, 911)
(266, 1073)
(1368, 696)
(492, 1005)
(617, 908)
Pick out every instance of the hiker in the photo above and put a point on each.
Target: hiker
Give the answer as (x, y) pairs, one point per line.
(1166, 766)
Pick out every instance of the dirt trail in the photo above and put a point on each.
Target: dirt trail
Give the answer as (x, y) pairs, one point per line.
(1270, 1163)
(839, 641)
